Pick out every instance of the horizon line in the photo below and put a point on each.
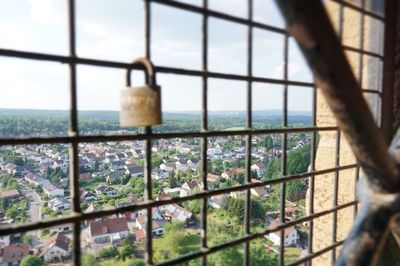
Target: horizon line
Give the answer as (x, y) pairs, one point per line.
(168, 111)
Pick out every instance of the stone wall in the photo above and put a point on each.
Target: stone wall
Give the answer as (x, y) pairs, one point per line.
(326, 149)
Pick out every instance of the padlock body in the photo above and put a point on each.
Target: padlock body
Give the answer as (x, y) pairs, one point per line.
(140, 106)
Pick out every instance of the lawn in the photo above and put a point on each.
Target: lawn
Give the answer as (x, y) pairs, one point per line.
(161, 247)
(292, 254)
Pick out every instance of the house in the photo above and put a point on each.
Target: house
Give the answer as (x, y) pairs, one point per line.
(110, 230)
(182, 165)
(93, 208)
(85, 176)
(259, 168)
(231, 173)
(168, 167)
(157, 228)
(61, 164)
(87, 195)
(10, 194)
(110, 158)
(216, 201)
(52, 190)
(135, 171)
(56, 248)
(174, 212)
(64, 228)
(259, 192)
(13, 254)
(290, 234)
(110, 191)
(237, 194)
(10, 168)
(141, 219)
(174, 192)
(213, 178)
(59, 204)
(36, 180)
(227, 174)
(114, 176)
(7, 240)
(23, 170)
(159, 174)
(117, 165)
(190, 187)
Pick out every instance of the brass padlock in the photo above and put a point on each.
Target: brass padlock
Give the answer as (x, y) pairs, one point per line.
(141, 106)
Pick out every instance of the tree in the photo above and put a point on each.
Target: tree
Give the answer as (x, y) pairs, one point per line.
(89, 260)
(273, 169)
(18, 161)
(107, 252)
(174, 227)
(268, 143)
(257, 210)
(136, 262)
(172, 179)
(230, 256)
(258, 256)
(175, 238)
(234, 208)
(28, 239)
(126, 251)
(193, 206)
(298, 160)
(31, 261)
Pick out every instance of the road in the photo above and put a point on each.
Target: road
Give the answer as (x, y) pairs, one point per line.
(34, 207)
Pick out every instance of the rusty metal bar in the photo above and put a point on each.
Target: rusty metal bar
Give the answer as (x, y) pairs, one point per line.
(333, 75)
(388, 68)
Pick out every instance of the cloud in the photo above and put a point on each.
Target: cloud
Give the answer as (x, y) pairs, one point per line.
(48, 11)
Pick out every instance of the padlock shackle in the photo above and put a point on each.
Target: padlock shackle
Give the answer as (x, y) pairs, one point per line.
(149, 70)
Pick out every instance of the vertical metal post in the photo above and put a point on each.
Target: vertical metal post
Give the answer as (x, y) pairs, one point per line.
(284, 150)
(312, 178)
(204, 128)
(389, 54)
(247, 216)
(74, 132)
(148, 143)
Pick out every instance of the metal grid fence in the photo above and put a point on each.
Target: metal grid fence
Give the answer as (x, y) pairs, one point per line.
(74, 138)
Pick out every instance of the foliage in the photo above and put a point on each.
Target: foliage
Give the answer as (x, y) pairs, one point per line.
(108, 252)
(31, 261)
(230, 256)
(28, 239)
(136, 262)
(273, 169)
(258, 256)
(126, 251)
(192, 206)
(174, 227)
(89, 260)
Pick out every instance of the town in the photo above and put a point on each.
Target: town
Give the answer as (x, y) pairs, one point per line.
(35, 186)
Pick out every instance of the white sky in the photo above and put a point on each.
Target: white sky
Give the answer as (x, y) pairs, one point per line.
(113, 30)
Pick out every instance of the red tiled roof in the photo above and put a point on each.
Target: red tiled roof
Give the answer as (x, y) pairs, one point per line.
(275, 223)
(140, 234)
(58, 240)
(14, 253)
(192, 184)
(13, 193)
(212, 177)
(108, 226)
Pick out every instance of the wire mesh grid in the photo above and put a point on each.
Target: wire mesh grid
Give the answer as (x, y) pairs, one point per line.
(74, 138)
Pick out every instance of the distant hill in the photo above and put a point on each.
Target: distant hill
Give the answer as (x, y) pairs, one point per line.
(114, 115)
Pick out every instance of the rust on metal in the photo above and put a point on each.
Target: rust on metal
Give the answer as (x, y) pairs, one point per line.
(334, 77)
(379, 192)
